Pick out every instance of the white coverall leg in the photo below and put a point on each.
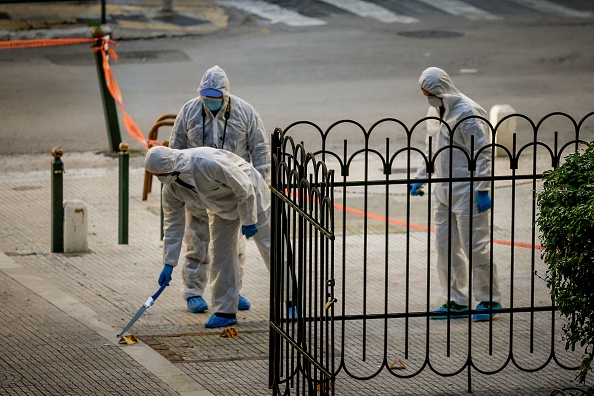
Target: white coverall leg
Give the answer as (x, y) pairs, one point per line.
(224, 268)
(262, 239)
(459, 232)
(458, 275)
(196, 264)
(241, 256)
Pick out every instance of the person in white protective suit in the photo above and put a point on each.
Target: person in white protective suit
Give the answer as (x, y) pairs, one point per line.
(233, 194)
(217, 119)
(449, 104)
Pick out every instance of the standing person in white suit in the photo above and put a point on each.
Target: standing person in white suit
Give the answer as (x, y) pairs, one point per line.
(216, 119)
(233, 194)
(449, 104)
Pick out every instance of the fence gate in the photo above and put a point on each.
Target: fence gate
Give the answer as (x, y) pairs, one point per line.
(302, 272)
(366, 324)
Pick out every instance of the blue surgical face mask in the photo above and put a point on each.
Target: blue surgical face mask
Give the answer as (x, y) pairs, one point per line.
(213, 104)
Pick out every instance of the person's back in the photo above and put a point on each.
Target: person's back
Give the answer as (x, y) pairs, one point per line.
(235, 197)
(223, 180)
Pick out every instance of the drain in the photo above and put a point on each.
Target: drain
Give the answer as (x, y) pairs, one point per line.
(432, 33)
(210, 347)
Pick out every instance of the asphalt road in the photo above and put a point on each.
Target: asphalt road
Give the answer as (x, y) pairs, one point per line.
(349, 68)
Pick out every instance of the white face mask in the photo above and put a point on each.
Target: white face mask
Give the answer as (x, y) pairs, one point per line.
(166, 179)
(434, 101)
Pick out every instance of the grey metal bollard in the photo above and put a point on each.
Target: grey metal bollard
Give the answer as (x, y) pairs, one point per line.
(76, 229)
(505, 132)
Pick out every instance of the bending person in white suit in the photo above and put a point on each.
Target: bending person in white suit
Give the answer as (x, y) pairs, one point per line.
(235, 196)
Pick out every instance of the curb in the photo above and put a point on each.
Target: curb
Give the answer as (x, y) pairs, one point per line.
(127, 22)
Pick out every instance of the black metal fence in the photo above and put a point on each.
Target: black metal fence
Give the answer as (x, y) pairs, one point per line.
(371, 313)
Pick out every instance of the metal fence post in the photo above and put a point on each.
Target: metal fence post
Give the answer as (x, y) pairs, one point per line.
(109, 107)
(57, 201)
(162, 215)
(123, 194)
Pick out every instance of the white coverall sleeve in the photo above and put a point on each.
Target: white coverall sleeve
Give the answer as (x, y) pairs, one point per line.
(258, 146)
(475, 127)
(174, 221)
(422, 169)
(432, 126)
(179, 134)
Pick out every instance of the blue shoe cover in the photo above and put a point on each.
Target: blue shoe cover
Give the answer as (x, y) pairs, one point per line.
(244, 304)
(485, 307)
(215, 321)
(456, 311)
(197, 304)
(292, 312)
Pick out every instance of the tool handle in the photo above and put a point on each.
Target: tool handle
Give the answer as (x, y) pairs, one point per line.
(163, 286)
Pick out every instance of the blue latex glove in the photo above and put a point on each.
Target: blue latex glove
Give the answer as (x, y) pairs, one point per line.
(415, 189)
(249, 230)
(483, 201)
(165, 276)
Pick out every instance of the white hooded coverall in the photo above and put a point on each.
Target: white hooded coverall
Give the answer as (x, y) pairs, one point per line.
(236, 127)
(457, 107)
(232, 192)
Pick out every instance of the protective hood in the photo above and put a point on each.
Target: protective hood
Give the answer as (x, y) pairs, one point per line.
(464, 120)
(215, 78)
(160, 159)
(437, 82)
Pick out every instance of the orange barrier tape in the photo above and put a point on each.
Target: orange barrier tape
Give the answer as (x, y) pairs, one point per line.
(374, 216)
(423, 228)
(114, 90)
(380, 218)
(152, 143)
(112, 86)
(44, 42)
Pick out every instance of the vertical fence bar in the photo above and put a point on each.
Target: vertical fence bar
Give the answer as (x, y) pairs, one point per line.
(57, 201)
(161, 214)
(123, 194)
(273, 344)
(103, 13)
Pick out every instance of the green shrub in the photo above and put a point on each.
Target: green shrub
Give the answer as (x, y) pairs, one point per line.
(566, 222)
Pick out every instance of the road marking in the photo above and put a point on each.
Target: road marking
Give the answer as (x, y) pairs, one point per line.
(272, 12)
(552, 8)
(370, 10)
(459, 8)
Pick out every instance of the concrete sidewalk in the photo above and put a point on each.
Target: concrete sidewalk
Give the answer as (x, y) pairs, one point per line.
(128, 19)
(61, 313)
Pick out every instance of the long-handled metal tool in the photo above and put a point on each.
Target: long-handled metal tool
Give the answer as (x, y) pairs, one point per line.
(146, 305)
